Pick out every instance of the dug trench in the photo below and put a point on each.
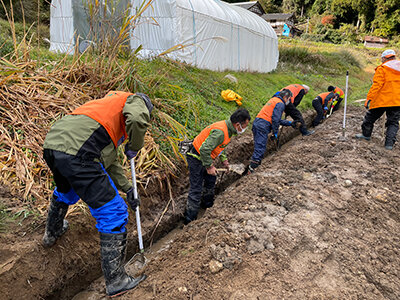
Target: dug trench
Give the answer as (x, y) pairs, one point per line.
(29, 271)
(318, 220)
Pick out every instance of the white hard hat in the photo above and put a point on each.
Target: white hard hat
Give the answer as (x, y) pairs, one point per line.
(388, 53)
(306, 87)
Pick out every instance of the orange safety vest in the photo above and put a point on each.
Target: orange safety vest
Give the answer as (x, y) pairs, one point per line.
(323, 96)
(108, 112)
(295, 89)
(268, 109)
(203, 135)
(339, 91)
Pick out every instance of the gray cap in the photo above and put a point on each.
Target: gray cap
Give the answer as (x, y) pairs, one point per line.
(388, 53)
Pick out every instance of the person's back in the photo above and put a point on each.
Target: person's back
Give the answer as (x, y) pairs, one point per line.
(268, 119)
(320, 104)
(385, 91)
(384, 97)
(81, 151)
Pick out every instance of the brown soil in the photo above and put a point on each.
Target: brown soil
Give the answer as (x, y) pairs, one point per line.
(318, 220)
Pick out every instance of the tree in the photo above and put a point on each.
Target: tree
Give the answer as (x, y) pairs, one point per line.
(387, 18)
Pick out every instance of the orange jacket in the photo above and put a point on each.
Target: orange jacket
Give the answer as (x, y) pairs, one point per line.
(108, 112)
(324, 98)
(295, 89)
(385, 91)
(339, 91)
(203, 135)
(267, 111)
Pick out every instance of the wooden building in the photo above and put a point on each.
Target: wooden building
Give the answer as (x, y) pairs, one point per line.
(278, 21)
(375, 41)
(252, 6)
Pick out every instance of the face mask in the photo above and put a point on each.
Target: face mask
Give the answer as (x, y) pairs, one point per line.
(241, 129)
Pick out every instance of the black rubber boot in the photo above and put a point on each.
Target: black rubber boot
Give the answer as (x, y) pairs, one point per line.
(207, 200)
(190, 215)
(361, 136)
(253, 166)
(112, 251)
(56, 226)
(308, 132)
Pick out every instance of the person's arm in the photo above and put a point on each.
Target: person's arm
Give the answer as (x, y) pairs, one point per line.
(117, 175)
(299, 97)
(379, 79)
(327, 98)
(215, 139)
(223, 156)
(113, 168)
(137, 120)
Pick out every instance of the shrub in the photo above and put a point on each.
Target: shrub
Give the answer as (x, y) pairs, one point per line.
(328, 20)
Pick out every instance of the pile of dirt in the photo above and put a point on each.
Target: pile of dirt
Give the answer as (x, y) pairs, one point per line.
(318, 220)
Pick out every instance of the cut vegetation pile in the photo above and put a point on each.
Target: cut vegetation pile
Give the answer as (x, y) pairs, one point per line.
(31, 99)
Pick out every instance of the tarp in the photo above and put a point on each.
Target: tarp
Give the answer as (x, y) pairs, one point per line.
(212, 34)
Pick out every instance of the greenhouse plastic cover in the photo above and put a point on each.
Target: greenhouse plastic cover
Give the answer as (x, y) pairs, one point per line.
(212, 34)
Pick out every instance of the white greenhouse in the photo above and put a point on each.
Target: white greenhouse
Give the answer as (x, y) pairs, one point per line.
(209, 34)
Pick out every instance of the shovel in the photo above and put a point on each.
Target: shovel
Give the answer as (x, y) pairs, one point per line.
(236, 168)
(139, 259)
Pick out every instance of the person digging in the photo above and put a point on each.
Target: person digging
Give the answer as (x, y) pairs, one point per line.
(268, 119)
(320, 104)
(81, 151)
(336, 104)
(384, 97)
(298, 92)
(206, 147)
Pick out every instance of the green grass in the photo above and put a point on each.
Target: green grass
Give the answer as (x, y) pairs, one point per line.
(318, 65)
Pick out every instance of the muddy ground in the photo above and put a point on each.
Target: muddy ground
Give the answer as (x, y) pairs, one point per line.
(318, 220)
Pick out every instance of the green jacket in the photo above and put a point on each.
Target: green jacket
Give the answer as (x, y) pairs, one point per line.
(82, 136)
(215, 139)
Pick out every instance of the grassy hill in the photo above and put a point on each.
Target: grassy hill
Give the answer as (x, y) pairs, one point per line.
(34, 81)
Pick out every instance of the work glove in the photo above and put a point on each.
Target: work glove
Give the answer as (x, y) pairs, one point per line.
(129, 153)
(133, 202)
(274, 136)
(326, 108)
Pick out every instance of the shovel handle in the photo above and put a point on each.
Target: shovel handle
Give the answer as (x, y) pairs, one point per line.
(135, 194)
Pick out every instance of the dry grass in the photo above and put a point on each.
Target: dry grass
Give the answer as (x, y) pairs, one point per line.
(31, 99)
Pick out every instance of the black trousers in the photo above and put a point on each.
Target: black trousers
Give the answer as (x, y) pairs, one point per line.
(392, 122)
(87, 177)
(296, 115)
(316, 103)
(201, 191)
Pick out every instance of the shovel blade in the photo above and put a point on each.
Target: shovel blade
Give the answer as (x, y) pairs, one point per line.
(237, 168)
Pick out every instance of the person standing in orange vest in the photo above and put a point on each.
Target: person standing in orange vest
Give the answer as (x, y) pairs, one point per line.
(81, 151)
(206, 147)
(298, 91)
(268, 119)
(320, 104)
(384, 96)
(335, 104)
